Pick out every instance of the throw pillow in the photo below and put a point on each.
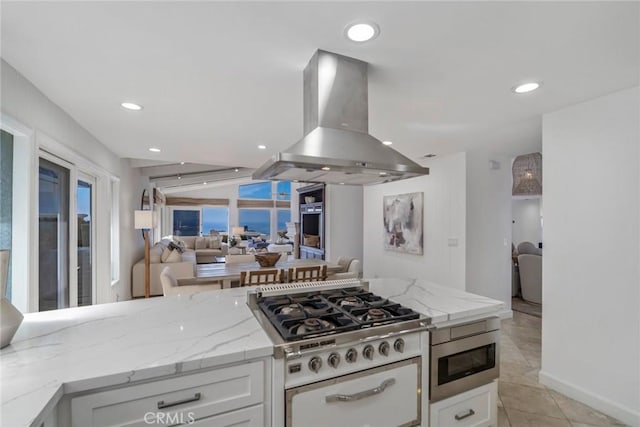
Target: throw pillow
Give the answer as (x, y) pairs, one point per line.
(201, 243)
(165, 254)
(155, 253)
(214, 242)
(177, 245)
(174, 256)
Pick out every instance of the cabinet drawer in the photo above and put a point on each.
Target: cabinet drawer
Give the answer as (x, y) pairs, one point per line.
(380, 397)
(477, 407)
(187, 397)
(247, 417)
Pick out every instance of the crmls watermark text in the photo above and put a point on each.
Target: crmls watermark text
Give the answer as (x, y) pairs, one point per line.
(169, 418)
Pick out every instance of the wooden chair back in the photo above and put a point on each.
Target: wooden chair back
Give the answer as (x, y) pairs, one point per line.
(308, 274)
(261, 277)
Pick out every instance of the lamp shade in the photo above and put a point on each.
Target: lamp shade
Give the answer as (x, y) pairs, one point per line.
(237, 231)
(143, 220)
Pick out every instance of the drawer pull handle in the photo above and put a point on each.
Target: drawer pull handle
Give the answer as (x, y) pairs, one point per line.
(195, 398)
(361, 395)
(469, 413)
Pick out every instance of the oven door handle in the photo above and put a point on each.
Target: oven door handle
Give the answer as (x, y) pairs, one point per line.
(361, 395)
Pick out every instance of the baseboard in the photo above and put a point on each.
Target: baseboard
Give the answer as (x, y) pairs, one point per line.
(602, 404)
(506, 314)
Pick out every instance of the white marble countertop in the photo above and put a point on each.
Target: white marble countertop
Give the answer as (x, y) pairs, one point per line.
(63, 351)
(443, 304)
(71, 350)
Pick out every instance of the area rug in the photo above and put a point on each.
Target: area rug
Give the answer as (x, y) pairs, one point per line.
(518, 304)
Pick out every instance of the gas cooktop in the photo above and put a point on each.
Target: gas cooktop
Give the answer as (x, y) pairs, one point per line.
(326, 312)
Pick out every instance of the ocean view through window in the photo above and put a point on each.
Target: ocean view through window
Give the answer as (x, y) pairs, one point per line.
(255, 220)
(215, 219)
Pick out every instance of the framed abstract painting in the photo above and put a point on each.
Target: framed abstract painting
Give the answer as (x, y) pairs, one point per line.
(403, 223)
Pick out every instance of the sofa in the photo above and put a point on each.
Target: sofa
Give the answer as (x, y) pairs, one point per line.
(183, 265)
(206, 248)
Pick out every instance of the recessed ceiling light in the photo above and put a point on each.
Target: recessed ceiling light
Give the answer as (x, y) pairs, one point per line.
(236, 170)
(341, 183)
(262, 147)
(131, 106)
(362, 31)
(326, 168)
(383, 174)
(204, 183)
(387, 142)
(182, 163)
(179, 177)
(154, 149)
(526, 87)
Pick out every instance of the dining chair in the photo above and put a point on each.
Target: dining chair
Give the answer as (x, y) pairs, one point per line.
(314, 273)
(170, 285)
(261, 277)
(239, 259)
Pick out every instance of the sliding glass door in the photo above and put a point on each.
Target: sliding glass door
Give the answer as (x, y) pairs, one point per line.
(53, 225)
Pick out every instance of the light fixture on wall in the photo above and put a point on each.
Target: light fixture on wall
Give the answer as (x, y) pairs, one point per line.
(145, 220)
(527, 175)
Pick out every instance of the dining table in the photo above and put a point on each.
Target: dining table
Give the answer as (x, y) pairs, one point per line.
(228, 273)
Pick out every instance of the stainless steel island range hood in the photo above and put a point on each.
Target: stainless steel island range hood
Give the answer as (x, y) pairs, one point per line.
(337, 148)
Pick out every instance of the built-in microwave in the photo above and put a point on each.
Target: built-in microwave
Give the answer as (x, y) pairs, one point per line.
(464, 357)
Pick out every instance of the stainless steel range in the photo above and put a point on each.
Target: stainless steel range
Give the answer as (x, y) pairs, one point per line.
(343, 356)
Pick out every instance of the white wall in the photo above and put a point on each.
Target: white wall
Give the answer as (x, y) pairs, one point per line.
(444, 219)
(591, 282)
(343, 221)
(23, 102)
(488, 219)
(526, 214)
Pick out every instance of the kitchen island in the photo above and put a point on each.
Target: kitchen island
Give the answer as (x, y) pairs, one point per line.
(75, 350)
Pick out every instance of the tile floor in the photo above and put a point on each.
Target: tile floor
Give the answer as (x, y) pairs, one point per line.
(522, 401)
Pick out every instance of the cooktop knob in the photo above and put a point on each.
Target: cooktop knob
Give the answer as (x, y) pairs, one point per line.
(334, 360)
(351, 356)
(367, 352)
(398, 345)
(315, 363)
(384, 348)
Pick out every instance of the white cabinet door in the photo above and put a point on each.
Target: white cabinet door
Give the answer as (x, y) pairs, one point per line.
(473, 408)
(247, 417)
(380, 397)
(193, 396)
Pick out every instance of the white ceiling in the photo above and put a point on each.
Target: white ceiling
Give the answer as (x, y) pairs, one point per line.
(217, 79)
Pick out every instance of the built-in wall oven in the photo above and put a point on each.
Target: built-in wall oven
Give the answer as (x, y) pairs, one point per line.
(464, 357)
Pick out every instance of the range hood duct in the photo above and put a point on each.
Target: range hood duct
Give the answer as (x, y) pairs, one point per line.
(337, 148)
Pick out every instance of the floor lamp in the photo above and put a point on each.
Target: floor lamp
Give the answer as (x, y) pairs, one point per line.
(144, 220)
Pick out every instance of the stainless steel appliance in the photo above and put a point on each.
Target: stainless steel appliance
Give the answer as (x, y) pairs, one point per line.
(337, 147)
(464, 357)
(341, 354)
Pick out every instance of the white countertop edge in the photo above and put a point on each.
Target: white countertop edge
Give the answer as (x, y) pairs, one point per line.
(123, 378)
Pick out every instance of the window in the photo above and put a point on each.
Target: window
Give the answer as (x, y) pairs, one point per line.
(283, 190)
(283, 216)
(6, 196)
(186, 222)
(215, 219)
(255, 220)
(260, 190)
(115, 231)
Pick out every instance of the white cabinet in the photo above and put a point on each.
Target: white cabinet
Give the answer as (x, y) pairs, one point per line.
(247, 417)
(201, 395)
(473, 408)
(51, 419)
